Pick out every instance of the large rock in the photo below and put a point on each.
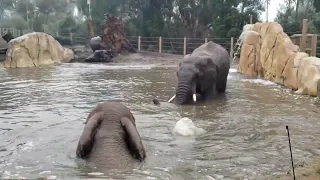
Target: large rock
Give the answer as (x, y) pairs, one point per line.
(35, 49)
(309, 76)
(269, 53)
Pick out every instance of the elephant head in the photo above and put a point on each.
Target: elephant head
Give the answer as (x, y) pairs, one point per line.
(110, 138)
(196, 75)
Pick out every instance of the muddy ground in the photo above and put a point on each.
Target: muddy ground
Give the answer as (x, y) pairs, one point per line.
(306, 170)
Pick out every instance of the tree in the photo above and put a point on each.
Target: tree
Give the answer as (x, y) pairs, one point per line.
(291, 20)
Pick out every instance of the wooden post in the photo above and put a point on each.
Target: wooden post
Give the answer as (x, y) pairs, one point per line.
(231, 47)
(160, 44)
(71, 39)
(303, 41)
(251, 19)
(184, 46)
(139, 43)
(205, 40)
(314, 45)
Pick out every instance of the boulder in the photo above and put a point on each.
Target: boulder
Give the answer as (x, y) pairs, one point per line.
(309, 76)
(249, 58)
(35, 49)
(269, 53)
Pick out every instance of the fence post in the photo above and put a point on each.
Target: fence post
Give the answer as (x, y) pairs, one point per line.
(160, 44)
(205, 40)
(231, 47)
(57, 34)
(139, 43)
(71, 38)
(251, 22)
(314, 45)
(184, 46)
(303, 41)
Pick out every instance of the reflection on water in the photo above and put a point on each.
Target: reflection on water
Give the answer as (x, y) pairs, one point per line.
(43, 109)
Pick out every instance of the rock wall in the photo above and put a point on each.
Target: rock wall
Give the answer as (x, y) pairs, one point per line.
(35, 49)
(267, 52)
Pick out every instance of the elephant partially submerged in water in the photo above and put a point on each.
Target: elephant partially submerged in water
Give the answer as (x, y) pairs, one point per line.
(110, 139)
(203, 72)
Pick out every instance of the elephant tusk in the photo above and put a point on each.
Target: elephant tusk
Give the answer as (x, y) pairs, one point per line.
(194, 97)
(174, 96)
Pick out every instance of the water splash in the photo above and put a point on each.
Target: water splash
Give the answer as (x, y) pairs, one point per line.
(186, 127)
(259, 81)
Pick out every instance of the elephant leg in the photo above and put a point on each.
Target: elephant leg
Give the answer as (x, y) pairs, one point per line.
(134, 140)
(208, 93)
(222, 85)
(87, 137)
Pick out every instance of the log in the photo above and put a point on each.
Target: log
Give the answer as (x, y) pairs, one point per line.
(113, 37)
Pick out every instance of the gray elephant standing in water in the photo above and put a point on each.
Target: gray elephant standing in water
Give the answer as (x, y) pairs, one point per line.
(203, 72)
(110, 139)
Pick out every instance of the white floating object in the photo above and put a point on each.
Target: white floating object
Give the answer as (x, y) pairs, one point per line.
(52, 177)
(96, 174)
(186, 127)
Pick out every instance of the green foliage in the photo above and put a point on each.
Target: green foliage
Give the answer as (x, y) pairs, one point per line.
(15, 22)
(168, 18)
(291, 18)
(176, 18)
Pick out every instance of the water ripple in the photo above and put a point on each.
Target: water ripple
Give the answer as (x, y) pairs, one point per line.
(42, 112)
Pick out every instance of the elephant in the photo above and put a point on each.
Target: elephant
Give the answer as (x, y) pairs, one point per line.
(95, 43)
(203, 72)
(101, 56)
(110, 139)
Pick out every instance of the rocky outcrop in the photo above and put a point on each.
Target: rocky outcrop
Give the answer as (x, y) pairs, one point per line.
(269, 53)
(35, 49)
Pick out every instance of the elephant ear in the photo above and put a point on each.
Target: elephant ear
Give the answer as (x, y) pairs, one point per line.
(94, 111)
(210, 71)
(133, 139)
(87, 137)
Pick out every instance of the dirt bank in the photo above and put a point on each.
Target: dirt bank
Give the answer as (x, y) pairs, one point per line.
(307, 170)
(82, 52)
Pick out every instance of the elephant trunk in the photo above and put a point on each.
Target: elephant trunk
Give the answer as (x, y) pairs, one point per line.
(184, 92)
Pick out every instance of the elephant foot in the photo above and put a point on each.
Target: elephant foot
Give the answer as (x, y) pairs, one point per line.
(221, 88)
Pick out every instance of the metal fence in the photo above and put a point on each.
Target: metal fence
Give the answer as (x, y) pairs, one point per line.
(168, 45)
(176, 45)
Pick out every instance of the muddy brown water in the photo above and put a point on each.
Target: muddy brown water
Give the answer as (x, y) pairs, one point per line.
(43, 109)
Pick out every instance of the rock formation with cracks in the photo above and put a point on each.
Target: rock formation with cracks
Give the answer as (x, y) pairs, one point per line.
(269, 53)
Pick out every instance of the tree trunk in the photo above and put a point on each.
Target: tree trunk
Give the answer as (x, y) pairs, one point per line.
(297, 8)
(113, 36)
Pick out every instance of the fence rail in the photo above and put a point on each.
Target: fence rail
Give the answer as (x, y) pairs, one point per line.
(169, 45)
(176, 45)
